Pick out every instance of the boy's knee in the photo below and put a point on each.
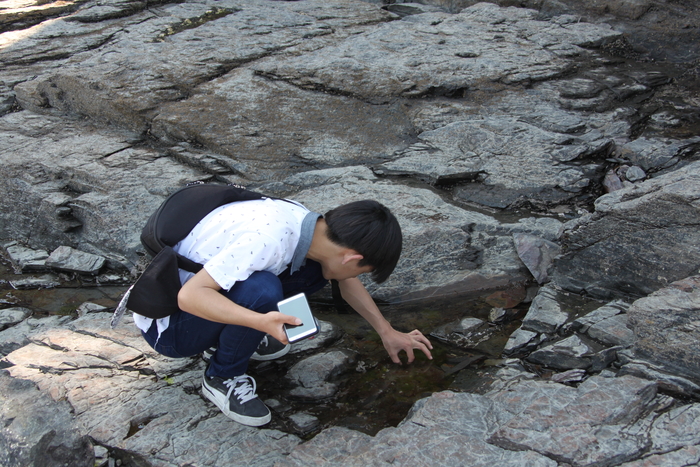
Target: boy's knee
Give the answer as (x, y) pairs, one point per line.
(260, 292)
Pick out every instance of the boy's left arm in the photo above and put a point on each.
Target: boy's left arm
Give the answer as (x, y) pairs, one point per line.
(354, 292)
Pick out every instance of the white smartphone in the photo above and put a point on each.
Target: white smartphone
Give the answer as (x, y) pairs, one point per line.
(299, 307)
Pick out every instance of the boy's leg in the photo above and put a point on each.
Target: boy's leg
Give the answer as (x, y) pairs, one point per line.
(225, 382)
(260, 292)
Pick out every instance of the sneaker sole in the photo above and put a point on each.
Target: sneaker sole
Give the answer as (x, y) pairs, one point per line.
(242, 419)
(272, 356)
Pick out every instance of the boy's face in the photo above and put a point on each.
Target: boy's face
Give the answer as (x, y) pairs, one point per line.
(344, 266)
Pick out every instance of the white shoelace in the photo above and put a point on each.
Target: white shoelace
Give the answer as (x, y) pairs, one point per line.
(264, 341)
(245, 391)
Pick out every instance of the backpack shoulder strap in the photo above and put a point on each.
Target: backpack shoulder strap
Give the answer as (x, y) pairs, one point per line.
(182, 211)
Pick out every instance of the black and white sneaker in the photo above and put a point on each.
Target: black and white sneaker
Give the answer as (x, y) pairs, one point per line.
(237, 399)
(270, 349)
(207, 354)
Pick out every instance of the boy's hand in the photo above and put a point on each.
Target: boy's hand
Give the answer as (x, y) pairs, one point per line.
(395, 341)
(274, 325)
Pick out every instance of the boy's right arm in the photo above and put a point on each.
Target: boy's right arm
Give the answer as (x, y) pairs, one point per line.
(201, 297)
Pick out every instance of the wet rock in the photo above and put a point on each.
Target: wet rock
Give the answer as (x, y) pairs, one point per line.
(66, 258)
(466, 333)
(304, 422)
(521, 340)
(327, 334)
(38, 431)
(524, 422)
(88, 307)
(544, 315)
(623, 238)
(26, 259)
(497, 315)
(45, 281)
(669, 339)
(566, 354)
(313, 375)
(11, 316)
(507, 298)
(537, 254)
(460, 441)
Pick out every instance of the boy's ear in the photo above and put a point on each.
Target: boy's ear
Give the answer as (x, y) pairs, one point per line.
(350, 256)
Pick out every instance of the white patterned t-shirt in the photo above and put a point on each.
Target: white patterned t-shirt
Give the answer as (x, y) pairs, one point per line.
(239, 238)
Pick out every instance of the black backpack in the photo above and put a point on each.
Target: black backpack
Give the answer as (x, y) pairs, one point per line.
(154, 295)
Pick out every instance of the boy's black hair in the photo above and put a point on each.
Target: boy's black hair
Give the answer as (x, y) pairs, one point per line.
(369, 228)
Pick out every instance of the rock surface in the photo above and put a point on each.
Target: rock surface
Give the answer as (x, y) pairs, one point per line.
(493, 132)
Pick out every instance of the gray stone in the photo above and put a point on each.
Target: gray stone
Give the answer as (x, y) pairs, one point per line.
(571, 376)
(313, 375)
(459, 441)
(19, 335)
(304, 422)
(624, 238)
(45, 281)
(672, 384)
(666, 325)
(613, 331)
(38, 431)
(635, 174)
(11, 316)
(88, 307)
(466, 333)
(26, 259)
(566, 354)
(657, 154)
(427, 64)
(327, 334)
(609, 310)
(545, 314)
(521, 340)
(497, 315)
(66, 258)
(537, 254)
(82, 362)
(557, 421)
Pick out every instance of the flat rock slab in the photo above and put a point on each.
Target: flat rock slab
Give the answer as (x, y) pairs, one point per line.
(605, 421)
(441, 54)
(157, 413)
(103, 195)
(256, 122)
(447, 249)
